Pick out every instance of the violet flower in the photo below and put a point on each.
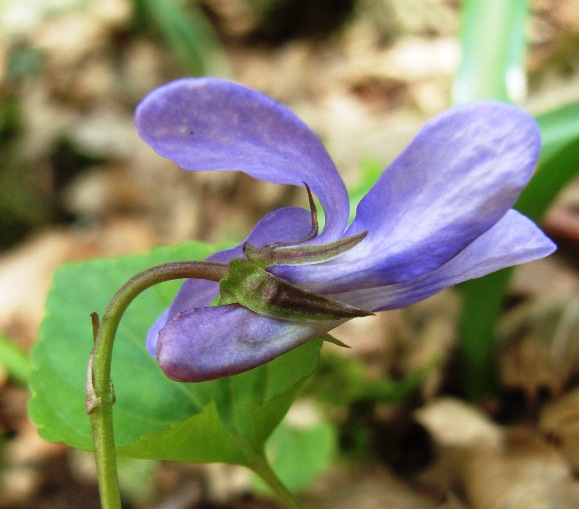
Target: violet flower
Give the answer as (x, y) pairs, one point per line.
(440, 214)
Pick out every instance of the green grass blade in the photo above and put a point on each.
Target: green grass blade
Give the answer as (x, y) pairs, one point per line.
(493, 44)
(492, 67)
(558, 127)
(483, 298)
(189, 35)
(14, 360)
(553, 174)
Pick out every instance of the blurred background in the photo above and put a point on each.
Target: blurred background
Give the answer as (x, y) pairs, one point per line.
(393, 419)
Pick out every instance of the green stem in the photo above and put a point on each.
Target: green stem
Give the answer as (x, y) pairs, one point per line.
(100, 397)
(261, 467)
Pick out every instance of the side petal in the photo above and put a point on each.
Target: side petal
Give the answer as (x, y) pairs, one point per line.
(457, 178)
(213, 124)
(513, 240)
(209, 343)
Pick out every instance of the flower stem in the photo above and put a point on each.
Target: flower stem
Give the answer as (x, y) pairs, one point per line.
(100, 396)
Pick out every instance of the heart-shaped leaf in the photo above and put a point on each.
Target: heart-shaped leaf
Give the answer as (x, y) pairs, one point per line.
(154, 417)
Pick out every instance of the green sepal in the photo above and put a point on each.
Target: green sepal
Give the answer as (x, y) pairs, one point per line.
(263, 293)
(277, 254)
(335, 341)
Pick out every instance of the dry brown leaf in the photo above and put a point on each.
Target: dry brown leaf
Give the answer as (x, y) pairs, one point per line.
(540, 348)
(364, 487)
(495, 467)
(560, 419)
(526, 474)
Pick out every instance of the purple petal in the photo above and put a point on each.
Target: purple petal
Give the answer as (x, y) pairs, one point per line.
(212, 124)
(153, 334)
(456, 179)
(513, 240)
(209, 343)
(284, 225)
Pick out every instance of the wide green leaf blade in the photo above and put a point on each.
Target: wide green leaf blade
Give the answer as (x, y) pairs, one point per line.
(241, 413)
(553, 174)
(559, 162)
(558, 128)
(154, 417)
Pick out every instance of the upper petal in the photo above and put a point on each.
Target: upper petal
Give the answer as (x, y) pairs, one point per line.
(457, 178)
(213, 124)
(513, 240)
(208, 343)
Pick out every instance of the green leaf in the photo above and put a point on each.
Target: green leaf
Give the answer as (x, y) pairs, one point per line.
(482, 306)
(553, 174)
(154, 417)
(241, 413)
(176, 443)
(493, 44)
(558, 128)
(492, 67)
(559, 162)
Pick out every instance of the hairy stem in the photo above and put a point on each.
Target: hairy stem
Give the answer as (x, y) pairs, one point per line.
(100, 396)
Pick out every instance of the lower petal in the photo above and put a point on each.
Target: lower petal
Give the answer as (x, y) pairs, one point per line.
(513, 240)
(208, 343)
(457, 178)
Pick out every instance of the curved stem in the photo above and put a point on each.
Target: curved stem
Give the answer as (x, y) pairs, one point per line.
(100, 396)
